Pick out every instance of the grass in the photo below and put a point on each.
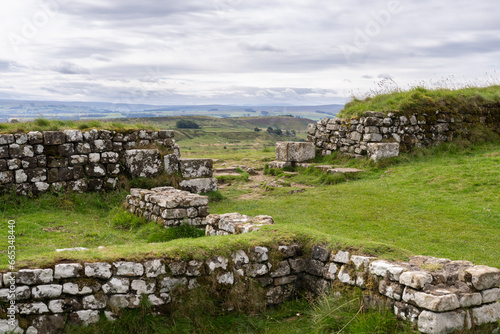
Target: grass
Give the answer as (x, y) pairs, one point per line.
(329, 313)
(41, 124)
(425, 100)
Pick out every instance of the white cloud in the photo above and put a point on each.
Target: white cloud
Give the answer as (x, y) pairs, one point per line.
(235, 50)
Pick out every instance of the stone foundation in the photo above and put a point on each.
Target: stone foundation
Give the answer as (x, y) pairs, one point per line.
(37, 162)
(235, 223)
(168, 206)
(356, 136)
(455, 296)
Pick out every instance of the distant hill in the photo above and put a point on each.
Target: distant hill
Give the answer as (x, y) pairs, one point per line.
(29, 110)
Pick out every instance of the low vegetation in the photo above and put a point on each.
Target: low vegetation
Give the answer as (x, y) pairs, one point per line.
(426, 100)
(42, 124)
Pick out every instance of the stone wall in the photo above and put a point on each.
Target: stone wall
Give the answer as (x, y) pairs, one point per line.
(168, 206)
(355, 136)
(36, 162)
(454, 296)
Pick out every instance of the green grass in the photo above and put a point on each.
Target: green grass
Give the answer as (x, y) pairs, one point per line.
(327, 314)
(41, 124)
(422, 100)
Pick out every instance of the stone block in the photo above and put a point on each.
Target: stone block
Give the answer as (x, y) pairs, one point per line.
(110, 157)
(295, 151)
(4, 152)
(164, 134)
(438, 301)
(46, 291)
(66, 150)
(35, 276)
(377, 151)
(340, 256)
(98, 270)
(95, 170)
(128, 268)
(483, 277)
(102, 145)
(168, 283)
(6, 139)
(73, 136)
(96, 302)
(116, 285)
(33, 308)
(485, 314)
(6, 177)
(140, 287)
(386, 269)
(202, 185)
(372, 137)
(195, 168)
(85, 317)
(491, 295)
(54, 137)
(125, 301)
(67, 270)
(441, 323)
(143, 163)
(171, 163)
(415, 279)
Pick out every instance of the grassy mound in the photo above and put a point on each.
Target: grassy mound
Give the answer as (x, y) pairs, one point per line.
(423, 100)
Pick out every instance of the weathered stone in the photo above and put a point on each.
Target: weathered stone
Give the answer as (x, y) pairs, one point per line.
(98, 270)
(415, 279)
(102, 145)
(282, 269)
(154, 268)
(372, 137)
(177, 268)
(483, 277)
(216, 263)
(386, 269)
(6, 327)
(256, 269)
(140, 286)
(85, 317)
(64, 305)
(95, 170)
(195, 168)
(143, 163)
(54, 162)
(116, 285)
(67, 270)
(54, 137)
(340, 256)
(320, 253)
(330, 270)
(226, 278)
(4, 152)
(345, 276)
(240, 258)
(406, 312)
(289, 251)
(34, 276)
(75, 289)
(295, 151)
(168, 283)
(315, 267)
(163, 299)
(73, 136)
(470, 299)
(21, 176)
(110, 157)
(486, 314)
(171, 163)
(46, 291)
(47, 324)
(198, 186)
(438, 301)
(361, 262)
(194, 268)
(6, 177)
(128, 268)
(297, 265)
(491, 295)
(33, 308)
(390, 289)
(66, 150)
(441, 323)
(21, 293)
(377, 151)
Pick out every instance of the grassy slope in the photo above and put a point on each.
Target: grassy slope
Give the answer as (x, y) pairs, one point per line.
(426, 100)
(445, 205)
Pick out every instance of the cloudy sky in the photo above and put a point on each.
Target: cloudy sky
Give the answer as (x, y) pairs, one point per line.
(301, 52)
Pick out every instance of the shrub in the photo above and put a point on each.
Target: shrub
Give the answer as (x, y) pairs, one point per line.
(186, 124)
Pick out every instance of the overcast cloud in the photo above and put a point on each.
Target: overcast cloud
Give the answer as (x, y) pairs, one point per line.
(240, 52)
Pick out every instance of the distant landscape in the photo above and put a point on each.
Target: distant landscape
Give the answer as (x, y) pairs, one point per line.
(29, 110)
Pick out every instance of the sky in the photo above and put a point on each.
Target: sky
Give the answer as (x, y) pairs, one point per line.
(296, 52)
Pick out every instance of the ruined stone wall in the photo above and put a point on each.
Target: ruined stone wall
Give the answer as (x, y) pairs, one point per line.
(353, 136)
(36, 162)
(454, 296)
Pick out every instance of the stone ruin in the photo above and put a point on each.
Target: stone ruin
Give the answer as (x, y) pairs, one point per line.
(438, 296)
(168, 206)
(235, 223)
(37, 162)
(378, 135)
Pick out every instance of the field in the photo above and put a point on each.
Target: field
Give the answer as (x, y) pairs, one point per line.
(441, 201)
